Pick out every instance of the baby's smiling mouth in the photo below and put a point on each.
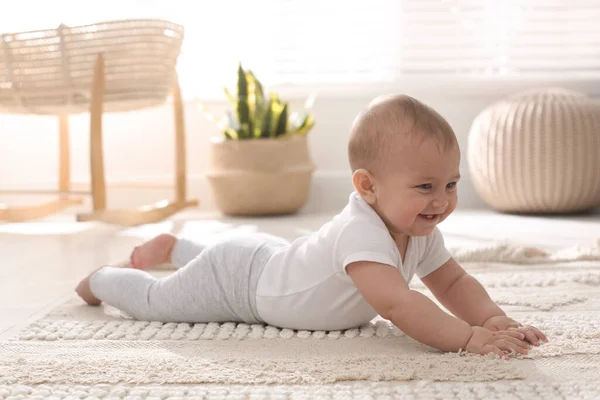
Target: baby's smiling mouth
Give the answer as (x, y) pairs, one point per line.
(429, 217)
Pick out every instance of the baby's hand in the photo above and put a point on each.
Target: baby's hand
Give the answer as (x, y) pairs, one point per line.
(500, 323)
(532, 334)
(484, 341)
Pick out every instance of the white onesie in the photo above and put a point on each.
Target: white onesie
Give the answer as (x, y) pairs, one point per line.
(305, 285)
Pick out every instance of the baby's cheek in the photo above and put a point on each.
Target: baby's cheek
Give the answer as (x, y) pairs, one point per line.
(397, 216)
(452, 205)
(408, 215)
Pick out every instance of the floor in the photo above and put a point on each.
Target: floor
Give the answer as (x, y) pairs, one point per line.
(41, 261)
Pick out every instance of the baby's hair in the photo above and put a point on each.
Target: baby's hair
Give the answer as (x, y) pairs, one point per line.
(376, 129)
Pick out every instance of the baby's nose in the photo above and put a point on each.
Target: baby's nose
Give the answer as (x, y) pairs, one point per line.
(440, 204)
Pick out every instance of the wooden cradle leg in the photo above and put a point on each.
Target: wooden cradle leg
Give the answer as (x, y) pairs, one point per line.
(148, 213)
(180, 148)
(98, 181)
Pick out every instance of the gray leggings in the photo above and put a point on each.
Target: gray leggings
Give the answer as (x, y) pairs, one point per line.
(215, 283)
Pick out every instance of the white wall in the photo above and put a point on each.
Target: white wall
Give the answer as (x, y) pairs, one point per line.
(139, 145)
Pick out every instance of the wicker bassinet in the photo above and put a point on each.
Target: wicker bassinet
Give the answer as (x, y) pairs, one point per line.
(50, 71)
(105, 67)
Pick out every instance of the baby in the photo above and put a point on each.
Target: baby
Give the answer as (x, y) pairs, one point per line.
(405, 162)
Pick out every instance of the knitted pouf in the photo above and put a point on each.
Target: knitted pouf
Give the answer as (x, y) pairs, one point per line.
(537, 152)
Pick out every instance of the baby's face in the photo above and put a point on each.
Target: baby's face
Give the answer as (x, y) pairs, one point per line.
(420, 190)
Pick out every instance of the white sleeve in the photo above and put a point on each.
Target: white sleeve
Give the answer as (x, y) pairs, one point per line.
(361, 240)
(435, 254)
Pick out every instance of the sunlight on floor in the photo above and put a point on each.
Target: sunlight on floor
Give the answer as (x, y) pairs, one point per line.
(203, 230)
(45, 228)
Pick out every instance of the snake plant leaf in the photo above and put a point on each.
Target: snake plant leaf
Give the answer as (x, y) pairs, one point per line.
(260, 115)
(251, 94)
(306, 125)
(242, 83)
(274, 98)
(259, 92)
(230, 133)
(257, 102)
(276, 109)
(282, 123)
(265, 131)
(224, 126)
(244, 132)
(246, 129)
(230, 97)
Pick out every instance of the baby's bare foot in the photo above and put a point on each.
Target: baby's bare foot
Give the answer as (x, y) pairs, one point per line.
(154, 252)
(84, 291)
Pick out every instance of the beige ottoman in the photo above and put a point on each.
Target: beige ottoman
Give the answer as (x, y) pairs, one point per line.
(537, 152)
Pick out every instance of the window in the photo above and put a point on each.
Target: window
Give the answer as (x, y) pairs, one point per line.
(315, 42)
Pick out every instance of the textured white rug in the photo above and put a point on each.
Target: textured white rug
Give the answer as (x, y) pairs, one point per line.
(83, 351)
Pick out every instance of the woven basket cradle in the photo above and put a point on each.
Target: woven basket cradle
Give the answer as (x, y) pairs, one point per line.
(111, 66)
(50, 71)
(538, 152)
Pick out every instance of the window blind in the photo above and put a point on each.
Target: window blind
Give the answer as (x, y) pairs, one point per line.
(314, 42)
(509, 37)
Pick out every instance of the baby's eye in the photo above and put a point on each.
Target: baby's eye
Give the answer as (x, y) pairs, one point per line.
(425, 186)
(451, 185)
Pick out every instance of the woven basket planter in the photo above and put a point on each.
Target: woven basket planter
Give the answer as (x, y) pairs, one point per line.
(260, 176)
(538, 152)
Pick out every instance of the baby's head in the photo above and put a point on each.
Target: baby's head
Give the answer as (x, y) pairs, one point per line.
(405, 162)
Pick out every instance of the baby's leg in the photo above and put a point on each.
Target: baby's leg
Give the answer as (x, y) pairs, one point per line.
(84, 291)
(193, 293)
(164, 249)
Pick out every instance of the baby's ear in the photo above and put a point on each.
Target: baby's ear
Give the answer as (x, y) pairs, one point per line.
(364, 184)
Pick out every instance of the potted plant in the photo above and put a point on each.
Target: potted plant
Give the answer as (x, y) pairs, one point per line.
(260, 164)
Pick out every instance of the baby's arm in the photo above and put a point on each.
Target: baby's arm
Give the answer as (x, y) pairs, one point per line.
(461, 294)
(415, 314)
(466, 298)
